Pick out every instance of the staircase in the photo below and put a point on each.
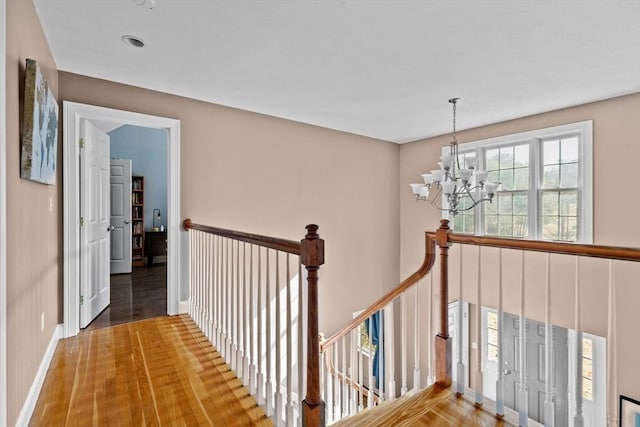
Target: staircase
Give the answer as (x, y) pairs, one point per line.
(405, 360)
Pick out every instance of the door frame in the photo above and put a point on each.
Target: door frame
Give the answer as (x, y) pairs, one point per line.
(4, 396)
(73, 113)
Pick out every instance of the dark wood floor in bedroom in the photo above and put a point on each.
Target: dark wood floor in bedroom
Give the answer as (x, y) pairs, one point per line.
(136, 296)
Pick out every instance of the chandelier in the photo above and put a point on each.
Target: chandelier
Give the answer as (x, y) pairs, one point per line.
(454, 182)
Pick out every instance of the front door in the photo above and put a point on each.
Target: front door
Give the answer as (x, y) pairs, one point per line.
(535, 368)
(120, 216)
(94, 226)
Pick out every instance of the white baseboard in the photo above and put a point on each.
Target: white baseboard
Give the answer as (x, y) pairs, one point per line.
(38, 381)
(184, 307)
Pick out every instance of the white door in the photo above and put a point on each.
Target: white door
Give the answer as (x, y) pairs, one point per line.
(120, 216)
(94, 227)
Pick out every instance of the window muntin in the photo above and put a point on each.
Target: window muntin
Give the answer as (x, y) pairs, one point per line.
(546, 190)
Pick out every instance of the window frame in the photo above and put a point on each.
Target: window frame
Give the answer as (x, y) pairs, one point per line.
(535, 139)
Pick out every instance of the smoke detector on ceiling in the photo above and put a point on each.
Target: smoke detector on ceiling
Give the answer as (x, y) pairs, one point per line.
(149, 4)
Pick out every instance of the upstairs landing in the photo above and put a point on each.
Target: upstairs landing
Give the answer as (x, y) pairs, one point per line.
(434, 406)
(157, 372)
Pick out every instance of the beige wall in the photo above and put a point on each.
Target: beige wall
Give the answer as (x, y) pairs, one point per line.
(616, 151)
(252, 172)
(34, 233)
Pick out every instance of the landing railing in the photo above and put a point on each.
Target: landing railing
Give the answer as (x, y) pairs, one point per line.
(248, 295)
(562, 371)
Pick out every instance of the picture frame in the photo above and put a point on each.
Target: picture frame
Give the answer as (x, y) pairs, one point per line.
(38, 160)
(629, 412)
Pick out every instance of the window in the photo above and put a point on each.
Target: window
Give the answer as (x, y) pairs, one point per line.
(587, 368)
(546, 190)
(492, 336)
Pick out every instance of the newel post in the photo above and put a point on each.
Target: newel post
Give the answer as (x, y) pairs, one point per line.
(443, 341)
(312, 257)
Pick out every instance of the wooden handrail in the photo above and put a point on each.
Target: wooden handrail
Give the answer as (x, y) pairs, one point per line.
(595, 251)
(290, 246)
(427, 263)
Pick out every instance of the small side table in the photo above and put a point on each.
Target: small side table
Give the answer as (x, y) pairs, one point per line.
(155, 245)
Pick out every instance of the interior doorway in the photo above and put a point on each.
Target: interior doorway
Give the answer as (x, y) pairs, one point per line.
(75, 115)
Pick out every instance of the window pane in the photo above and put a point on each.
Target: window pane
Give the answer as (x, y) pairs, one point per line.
(504, 203)
(491, 208)
(505, 226)
(549, 227)
(521, 155)
(551, 177)
(551, 152)
(520, 226)
(506, 158)
(492, 337)
(521, 179)
(569, 175)
(506, 178)
(587, 368)
(520, 204)
(550, 203)
(493, 159)
(568, 228)
(493, 176)
(587, 388)
(492, 353)
(469, 226)
(569, 147)
(569, 203)
(491, 225)
(492, 321)
(587, 348)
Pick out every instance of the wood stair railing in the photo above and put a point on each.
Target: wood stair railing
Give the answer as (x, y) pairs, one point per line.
(238, 281)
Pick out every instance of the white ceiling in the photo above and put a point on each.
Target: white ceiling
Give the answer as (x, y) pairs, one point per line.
(380, 68)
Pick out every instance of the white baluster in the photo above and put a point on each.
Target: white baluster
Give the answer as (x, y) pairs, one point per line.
(416, 338)
(460, 370)
(254, 317)
(381, 354)
(289, 331)
(370, 380)
(220, 299)
(612, 363)
(360, 369)
(479, 376)
(196, 295)
(278, 336)
(209, 243)
(260, 335)
(302, 335)
(431, 376)
(336, 384)
(353, 391)
(578, 419)
(224, 281)
(237, 316)
(549, 407)
(344, 402)
(245, 318)
(500, 380)
(269, 370)
(523, 394)
(403, 346)
(233, 319)
(192, 268)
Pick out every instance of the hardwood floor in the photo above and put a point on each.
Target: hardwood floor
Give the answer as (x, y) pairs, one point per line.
(161, 371)
(435, 406)
(136, 296)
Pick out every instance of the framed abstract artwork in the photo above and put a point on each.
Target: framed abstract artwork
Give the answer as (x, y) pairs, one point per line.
(629, 412)
(39, 128)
